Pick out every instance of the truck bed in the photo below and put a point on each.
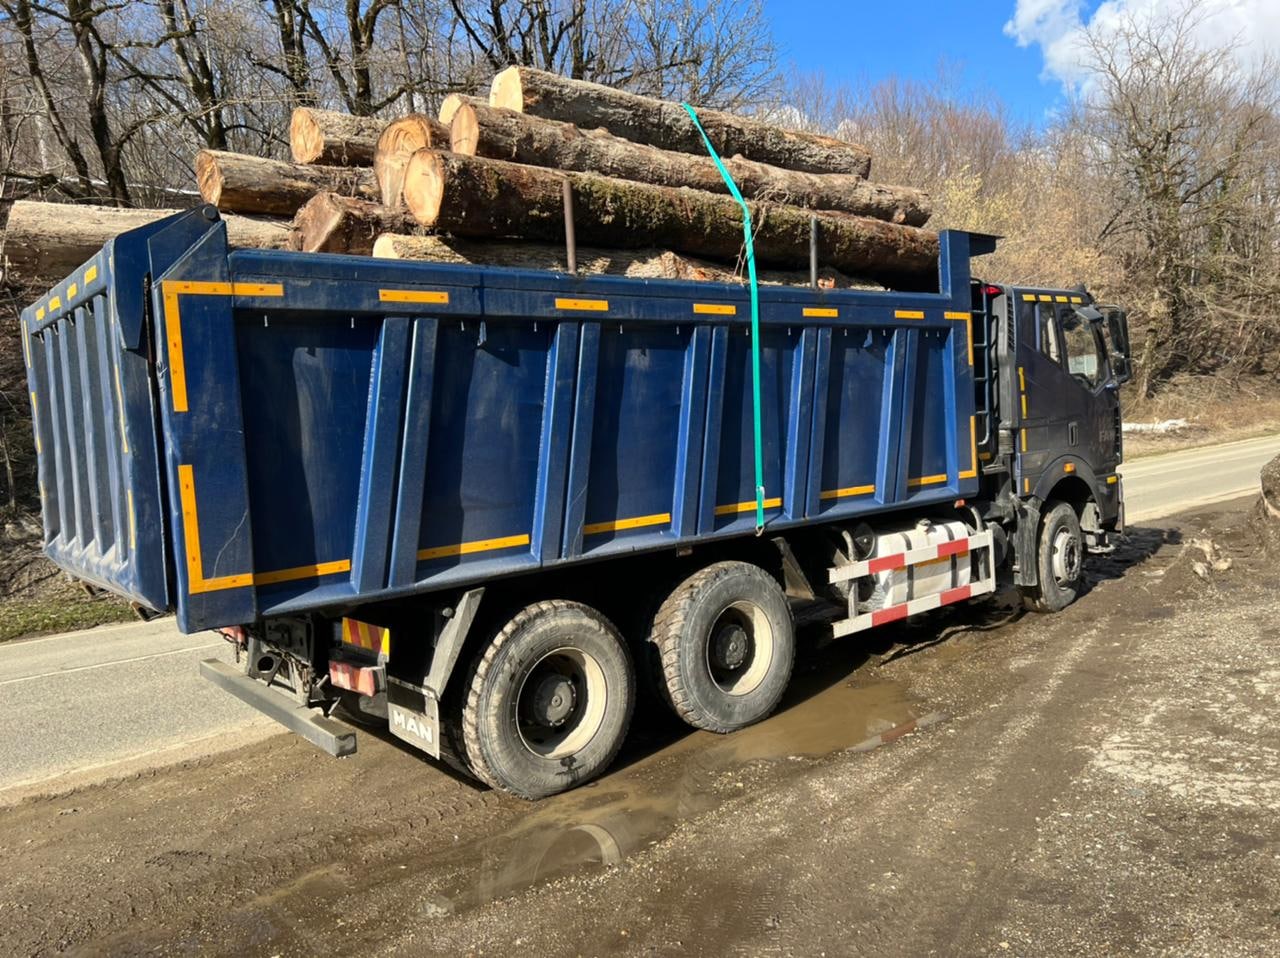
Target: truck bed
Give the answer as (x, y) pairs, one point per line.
(238, 435)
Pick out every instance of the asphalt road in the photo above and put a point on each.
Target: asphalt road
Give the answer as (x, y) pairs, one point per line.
(79, 701)
(1158, 486)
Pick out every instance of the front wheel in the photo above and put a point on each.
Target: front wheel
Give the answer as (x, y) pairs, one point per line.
(549, 700)
(1059, 561)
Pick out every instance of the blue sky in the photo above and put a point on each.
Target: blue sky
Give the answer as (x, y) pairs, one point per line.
(850, 41)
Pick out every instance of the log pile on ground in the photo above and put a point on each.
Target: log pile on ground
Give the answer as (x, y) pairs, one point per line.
(485, 182)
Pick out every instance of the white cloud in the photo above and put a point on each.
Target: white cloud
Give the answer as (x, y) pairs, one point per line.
(1057, 26)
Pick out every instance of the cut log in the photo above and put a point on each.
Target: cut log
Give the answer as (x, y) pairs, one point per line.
(449, 107)
(399, 141)
(506, 135)
(330, 223)
(638, 264)
(643, 119)
(472, 196)
(254, 184)
(46, 241)
(333, 139)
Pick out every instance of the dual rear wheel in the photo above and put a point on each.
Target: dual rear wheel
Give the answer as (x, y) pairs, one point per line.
(549, 699)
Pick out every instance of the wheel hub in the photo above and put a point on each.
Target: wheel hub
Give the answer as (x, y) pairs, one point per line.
(730, 647)
(554, 700)
(1066, 557)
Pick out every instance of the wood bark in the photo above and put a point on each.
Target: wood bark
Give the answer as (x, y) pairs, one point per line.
(638, 264)
(46, 241)
(330, 223)
(399, 141)
(644, 119)
(449, 107)
(473, 196)
(506, 135)
(252, 184)
(333, 139)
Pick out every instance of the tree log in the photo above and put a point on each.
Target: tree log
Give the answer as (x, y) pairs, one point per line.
(638, 264)
(449, 107)
(333, 139)
(659, 123)
(506, 135)
(46, 241)
(330, 223)
(472, 196)
(253, 184)
(399, 141)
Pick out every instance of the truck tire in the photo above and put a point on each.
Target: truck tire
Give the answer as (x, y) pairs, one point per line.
(1059, 560)
(726, 644)
(548, 701)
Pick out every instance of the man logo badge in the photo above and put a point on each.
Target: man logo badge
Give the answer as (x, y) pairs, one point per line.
(413, 727)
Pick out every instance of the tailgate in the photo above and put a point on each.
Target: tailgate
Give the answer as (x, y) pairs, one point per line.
(87, 349)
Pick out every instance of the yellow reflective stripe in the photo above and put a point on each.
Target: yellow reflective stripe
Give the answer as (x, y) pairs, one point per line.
(90, 274)
(1112, 480)
(846, 492)
(467, 548)
(124, 438)
(1045, 299)
(618, 525)
(926, 481)
(968, 322)
(734, 508)
(821, 312)
(302, 572)
(973, 449)
(908, 314)
(133, 523)
(1028, 297)
(1076, 299)
(1060, 299)
(715, 309)
(196, 582)
(40, 314)
(71, 292)
(436, 297)
(1024, 439)
(587, 305)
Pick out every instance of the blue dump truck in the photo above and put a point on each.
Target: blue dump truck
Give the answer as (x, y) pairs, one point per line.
(478, 506)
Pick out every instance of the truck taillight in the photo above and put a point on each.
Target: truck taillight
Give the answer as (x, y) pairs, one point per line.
(992, 290)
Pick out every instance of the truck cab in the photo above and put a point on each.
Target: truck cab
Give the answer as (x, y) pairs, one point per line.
(1056, 361)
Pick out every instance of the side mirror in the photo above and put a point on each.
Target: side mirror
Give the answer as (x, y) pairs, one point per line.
(1116, 328)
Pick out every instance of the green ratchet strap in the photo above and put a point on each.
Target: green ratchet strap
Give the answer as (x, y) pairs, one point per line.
(755, 313)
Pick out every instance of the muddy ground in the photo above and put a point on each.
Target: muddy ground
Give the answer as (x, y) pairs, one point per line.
(1103, 781)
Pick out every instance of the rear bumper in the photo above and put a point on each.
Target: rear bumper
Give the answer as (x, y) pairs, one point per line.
(324, 733)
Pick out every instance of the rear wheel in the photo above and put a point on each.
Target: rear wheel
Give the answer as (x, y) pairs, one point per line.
(726, 645)
(549, 700)
(1059, 560)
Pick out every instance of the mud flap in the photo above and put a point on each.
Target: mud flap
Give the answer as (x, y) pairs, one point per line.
(1026, 540)
(413, 715)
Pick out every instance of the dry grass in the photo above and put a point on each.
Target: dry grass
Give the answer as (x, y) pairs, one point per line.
(1217, 410)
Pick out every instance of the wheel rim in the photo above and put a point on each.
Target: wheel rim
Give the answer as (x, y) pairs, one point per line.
(1065, 557)
(560, 705)
(740, 648)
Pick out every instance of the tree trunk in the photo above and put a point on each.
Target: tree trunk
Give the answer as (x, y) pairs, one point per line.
(643, 119)
(47, 241)
(252, 184)
(471, 196)
(330, 223)
(399, 141)
(449, 108)
(639, 264)
(333, 139)
(506, 135)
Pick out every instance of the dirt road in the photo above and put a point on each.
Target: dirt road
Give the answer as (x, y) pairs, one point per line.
(1104, 781)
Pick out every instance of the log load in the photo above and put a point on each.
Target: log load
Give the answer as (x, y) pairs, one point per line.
(449, 106)
(399, 141)
(333, 139)
(252, 184)
(643, 119)
(637, 264)
(330, 223)
(46, 241)
(472, 196)
(506, 135)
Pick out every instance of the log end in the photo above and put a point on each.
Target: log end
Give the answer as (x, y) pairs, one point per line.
(424, 186)
(209, 177)
(306, 141)
(450, 107)
(464, 131)
(384, 247)
(507, 90)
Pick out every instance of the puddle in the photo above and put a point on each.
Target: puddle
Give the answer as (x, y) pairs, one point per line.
(599, 826)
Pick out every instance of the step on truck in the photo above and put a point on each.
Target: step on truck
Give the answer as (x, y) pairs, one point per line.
(481, 507)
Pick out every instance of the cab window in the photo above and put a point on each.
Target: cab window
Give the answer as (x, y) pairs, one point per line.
(1048, 332)
(1084, 358)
